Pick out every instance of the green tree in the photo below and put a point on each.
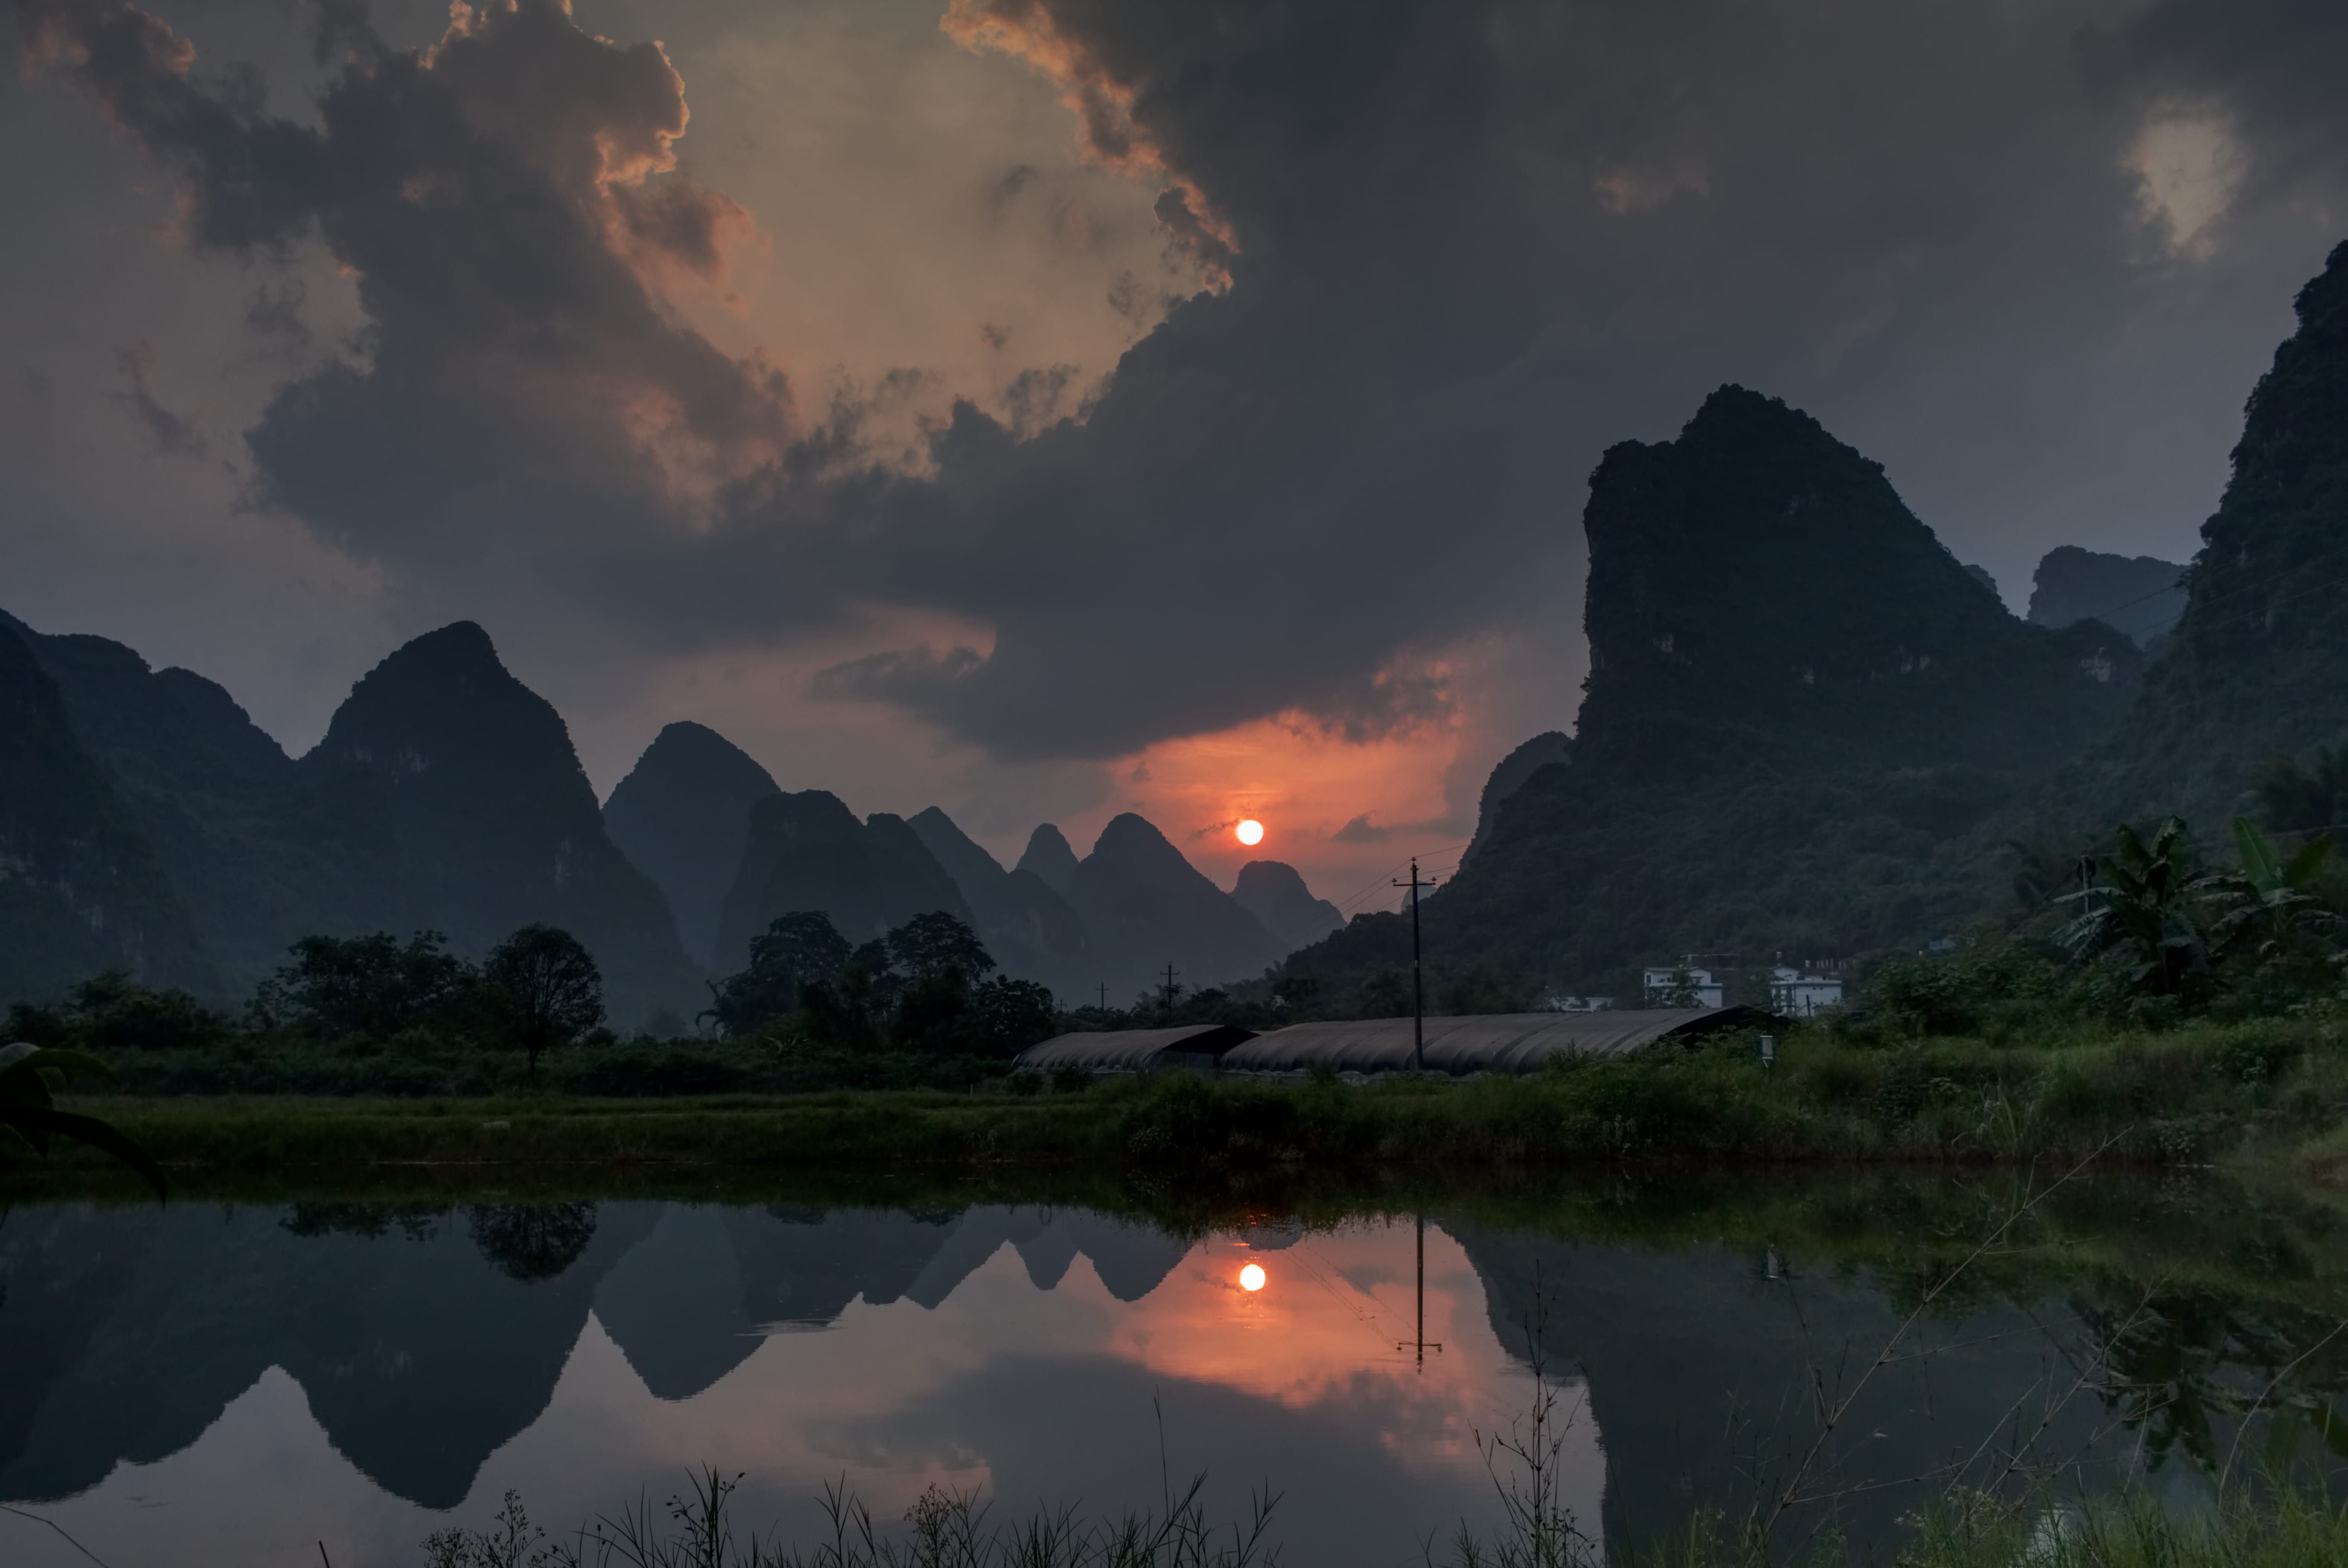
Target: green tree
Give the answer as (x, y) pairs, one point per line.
(365, 988)
(1385, 993)
(2146, 914)
(541, 990)
(30, 1078)
(112, 1012)
(2270, 909)
(1008, 1015)
(2298, 799)
(793, 951)
(934, 943)
(851, 1010)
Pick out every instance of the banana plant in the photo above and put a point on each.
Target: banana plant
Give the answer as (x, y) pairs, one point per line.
(2270, 904)
(2146, 909)
(30, 1078)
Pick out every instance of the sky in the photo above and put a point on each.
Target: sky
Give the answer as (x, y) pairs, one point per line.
(1044, 408)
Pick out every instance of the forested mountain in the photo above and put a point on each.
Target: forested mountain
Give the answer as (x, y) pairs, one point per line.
(807, 851)
(483, 820)
(1274, 892)
(1800, 708)
(1145, 907)
(683, 817)
(1550, 747)
(81, 886)
(1049, 859)
(1027, 927)
(2259, 661)
(445, 795)
(248, 838)
(165, 833)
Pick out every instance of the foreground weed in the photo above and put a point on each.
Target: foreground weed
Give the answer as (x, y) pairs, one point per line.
(944, 1530)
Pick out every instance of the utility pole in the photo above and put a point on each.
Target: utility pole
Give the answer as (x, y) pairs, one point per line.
(1103, 991)
(1170, 993)
(1417, 985)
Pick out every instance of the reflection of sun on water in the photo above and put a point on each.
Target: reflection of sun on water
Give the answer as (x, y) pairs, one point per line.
(1338, 1338)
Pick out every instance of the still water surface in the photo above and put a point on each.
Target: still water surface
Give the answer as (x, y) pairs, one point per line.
(235, 1385)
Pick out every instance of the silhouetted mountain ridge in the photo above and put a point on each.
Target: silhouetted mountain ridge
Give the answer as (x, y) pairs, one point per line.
(682, 815)
(1799, 708)
(1145, 906)
(1027, 927)
(2259, 661)
(807, 851)
(81, 886)
(1274, 892)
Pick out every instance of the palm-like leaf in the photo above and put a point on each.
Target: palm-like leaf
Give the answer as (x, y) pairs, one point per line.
(29, 1079)
(2144, 910)
(2267, 906)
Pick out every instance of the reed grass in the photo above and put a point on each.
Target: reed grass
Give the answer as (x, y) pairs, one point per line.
(2249, 1527)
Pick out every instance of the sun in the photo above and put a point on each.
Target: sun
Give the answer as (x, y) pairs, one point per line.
(1251, 1277)
(1250, 831)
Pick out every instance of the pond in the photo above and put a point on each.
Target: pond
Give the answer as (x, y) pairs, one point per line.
(244, 1382)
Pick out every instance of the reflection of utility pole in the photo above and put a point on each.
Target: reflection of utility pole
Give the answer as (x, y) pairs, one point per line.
(1417, 990)
(1420, 1344)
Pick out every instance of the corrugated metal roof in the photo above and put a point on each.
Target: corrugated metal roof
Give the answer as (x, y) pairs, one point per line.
(1491, 1042)
(1132, 1047)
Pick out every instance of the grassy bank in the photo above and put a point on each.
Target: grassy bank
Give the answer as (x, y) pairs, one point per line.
(2265, 1094)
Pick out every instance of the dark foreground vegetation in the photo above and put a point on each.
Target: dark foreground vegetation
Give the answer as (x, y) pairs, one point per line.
(2264, 1529)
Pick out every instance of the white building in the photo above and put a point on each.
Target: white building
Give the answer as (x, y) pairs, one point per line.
(1798, 992)
(1677, 985)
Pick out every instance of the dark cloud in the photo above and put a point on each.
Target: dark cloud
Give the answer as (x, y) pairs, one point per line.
(1359, 831)
(1457, 250)
(2275, 66)
(508, 205)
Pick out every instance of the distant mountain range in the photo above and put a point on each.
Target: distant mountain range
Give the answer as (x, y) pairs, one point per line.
(1808, 729)
(147, 824)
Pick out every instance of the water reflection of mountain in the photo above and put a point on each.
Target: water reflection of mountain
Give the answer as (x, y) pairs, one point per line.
(424, 1339)
(1698, 1366)
(129, 1330)
(690, 1302)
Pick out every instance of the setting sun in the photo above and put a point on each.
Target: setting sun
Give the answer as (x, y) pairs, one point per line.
(1251, 1277)
(1250, 831)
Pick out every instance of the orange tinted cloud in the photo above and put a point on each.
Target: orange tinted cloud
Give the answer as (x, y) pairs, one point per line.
(1103, 105)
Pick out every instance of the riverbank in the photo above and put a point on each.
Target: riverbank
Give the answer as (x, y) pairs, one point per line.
(2265, 1095)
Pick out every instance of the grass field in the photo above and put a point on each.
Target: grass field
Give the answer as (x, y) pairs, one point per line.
(2267, 1095)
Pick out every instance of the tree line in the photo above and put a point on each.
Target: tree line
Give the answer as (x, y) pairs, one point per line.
(924, 993)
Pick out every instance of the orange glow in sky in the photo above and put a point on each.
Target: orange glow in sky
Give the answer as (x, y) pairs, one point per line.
(1251, 1277)
(1202, 790)
(1250, 833)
